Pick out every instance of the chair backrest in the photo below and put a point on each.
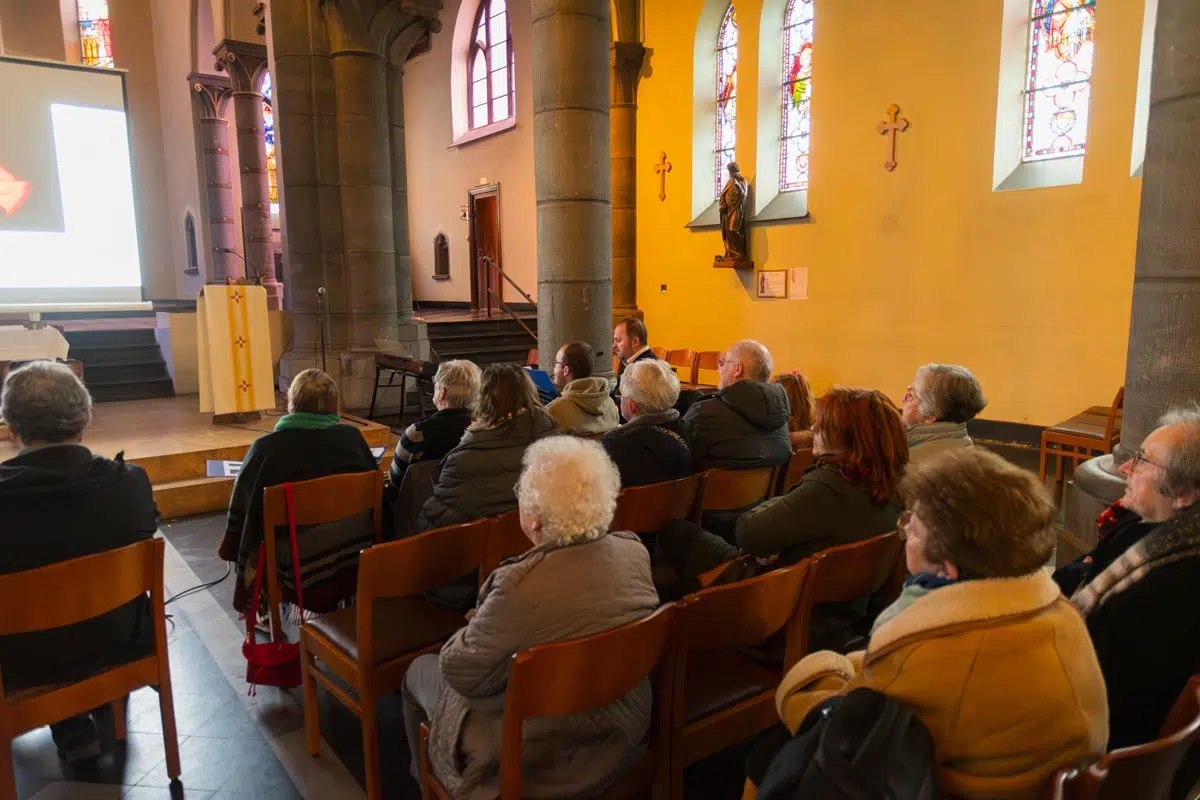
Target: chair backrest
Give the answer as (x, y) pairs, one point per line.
(81, 588)
(1147, 770)
(564, 678)
(504, 540)
(685, 363)
(659, 352)
(1110, 424)
(646, 509)
(794, 470)
(532, 359)
(844, 574)
(728, 489)
(705, 360)
(743, 613)
(327, 499)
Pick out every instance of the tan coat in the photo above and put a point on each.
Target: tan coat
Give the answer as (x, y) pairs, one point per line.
(1002, 673)
(585, 409)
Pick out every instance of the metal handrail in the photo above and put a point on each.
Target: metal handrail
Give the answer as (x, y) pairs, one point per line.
(492, 265)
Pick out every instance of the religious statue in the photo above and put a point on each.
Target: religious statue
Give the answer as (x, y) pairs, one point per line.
(734, 202)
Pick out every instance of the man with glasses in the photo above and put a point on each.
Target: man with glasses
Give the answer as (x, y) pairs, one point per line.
(1162, 478)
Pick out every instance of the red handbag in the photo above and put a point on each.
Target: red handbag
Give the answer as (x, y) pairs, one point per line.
(273, 663)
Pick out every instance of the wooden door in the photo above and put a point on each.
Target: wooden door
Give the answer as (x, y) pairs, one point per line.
(485, 243)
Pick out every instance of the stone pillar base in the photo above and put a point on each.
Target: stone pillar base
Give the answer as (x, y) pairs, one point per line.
(354, 369)
(1095, 485)
(274, 294)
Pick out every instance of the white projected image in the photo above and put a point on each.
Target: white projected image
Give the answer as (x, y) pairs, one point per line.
(98, 244)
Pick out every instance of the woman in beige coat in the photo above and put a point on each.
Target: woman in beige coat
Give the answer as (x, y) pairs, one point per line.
(577, 580)
(981, 645)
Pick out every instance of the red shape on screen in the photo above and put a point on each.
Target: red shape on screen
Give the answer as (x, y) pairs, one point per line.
(13, 192)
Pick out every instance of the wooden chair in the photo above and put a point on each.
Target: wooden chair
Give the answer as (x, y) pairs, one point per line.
(532, 359)
(844, 574)
(1145, 771)
(722, 696)
(1095, 430)
(505, 539)
(646, 509)
(370, 646)
(684, 362)
(705, 360)
(564, 678)
(659, 352)
(731, 489)
(79, 590)
(794, 470)
(316, 502)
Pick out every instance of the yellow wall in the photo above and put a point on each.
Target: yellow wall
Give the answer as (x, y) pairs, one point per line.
(1029, 289)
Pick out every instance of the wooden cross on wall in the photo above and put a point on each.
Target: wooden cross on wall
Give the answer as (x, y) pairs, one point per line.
(662, 168)
(892, 126)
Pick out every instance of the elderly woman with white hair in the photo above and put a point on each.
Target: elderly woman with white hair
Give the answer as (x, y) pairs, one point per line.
(648, 448)
(577, 580)
(937, 406)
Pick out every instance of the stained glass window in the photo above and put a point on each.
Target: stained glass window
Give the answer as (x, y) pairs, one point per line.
(727, 56)
(1059, 87)
(796, 122)
(95, 34)
(490, 90)
(269, 131)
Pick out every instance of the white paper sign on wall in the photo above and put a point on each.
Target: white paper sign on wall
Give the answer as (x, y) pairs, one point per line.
(798, 283)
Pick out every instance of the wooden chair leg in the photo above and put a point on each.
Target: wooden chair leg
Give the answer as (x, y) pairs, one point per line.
(1042, 462)
(166, 708)
(118, 713)
(370, 735)
(8, 779)
(312, 719)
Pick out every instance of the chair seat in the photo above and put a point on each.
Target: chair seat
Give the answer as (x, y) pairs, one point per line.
(402, 625)
(717, 679)
(1085, 425)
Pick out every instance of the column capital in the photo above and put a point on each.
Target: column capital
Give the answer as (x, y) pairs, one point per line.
(243, 61)
(212, 91)
(626, 60)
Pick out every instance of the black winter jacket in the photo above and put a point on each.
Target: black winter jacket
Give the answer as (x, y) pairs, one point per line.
(743, 426)
(649, 449)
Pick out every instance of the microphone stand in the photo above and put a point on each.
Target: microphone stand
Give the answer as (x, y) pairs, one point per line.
(321, 322)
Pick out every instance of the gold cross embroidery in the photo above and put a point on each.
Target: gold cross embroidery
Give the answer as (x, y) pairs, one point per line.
(236, 296)
(240, 341)
(245, 387)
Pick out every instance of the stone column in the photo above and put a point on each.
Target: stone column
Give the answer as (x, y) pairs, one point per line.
(573, 175)
(212, 94)
(626, 72)
(1162, 368)
(244, 62)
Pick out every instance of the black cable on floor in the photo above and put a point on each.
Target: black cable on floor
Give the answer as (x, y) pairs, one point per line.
(201, 587)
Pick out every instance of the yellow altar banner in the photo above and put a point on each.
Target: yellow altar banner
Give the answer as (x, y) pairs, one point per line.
(234, 350)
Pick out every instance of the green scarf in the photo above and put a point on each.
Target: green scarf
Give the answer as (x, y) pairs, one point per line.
(306, 421)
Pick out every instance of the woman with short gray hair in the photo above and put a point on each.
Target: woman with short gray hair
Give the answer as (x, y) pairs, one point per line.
(648, 448)
(577, 580)
(455, 396)
(937, 406)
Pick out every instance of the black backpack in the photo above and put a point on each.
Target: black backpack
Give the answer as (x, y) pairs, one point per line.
(861, 746)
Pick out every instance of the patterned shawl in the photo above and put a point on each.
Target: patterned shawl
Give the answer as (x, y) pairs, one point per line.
(1174, 540)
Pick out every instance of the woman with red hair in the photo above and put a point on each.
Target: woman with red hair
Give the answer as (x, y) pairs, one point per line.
(849, 494)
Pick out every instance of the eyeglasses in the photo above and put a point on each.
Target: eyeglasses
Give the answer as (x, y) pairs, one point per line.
(1139, 457)
(558, 363)
(722, 361)
(910, 393)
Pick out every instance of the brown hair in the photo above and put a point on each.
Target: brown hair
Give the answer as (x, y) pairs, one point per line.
(636, 329)
(313, 391)
(579, 358)
(864, 429)
(800, 400)
(988, 517)
(506, 392)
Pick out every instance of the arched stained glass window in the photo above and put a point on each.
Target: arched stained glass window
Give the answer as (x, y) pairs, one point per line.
(95, 34)
(727, 56)
(1059, 83)
(796, 117)
(490, 62)
(269, 131)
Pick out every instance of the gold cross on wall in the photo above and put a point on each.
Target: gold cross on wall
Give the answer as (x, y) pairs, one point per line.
(892, 126)
(662, 168)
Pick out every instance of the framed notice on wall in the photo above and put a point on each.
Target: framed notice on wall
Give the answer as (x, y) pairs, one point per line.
(772, 283)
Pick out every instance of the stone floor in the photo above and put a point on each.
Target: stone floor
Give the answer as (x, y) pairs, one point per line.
(233, 745)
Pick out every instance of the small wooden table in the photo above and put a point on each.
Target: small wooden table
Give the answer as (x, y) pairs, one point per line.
(404, 366)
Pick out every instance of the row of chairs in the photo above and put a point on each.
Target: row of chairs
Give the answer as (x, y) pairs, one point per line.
(370, 646)
(687, 364)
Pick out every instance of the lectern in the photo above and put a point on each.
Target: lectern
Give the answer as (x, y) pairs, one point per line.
(234, 350)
